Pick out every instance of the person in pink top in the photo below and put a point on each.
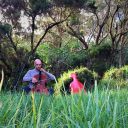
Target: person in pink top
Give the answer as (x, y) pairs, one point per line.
(76, 86)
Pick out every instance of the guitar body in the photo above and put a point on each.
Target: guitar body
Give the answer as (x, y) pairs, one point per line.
(40, 86)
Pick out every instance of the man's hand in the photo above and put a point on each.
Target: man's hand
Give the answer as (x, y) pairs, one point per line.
(42, 70)
(34, 80)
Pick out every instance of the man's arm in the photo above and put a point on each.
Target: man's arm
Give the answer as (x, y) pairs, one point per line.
(27, 77)
(50, 76)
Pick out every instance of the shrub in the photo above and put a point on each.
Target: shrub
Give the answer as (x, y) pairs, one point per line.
(84, 75)
(116, 77)
(99, 56)
(62, 59)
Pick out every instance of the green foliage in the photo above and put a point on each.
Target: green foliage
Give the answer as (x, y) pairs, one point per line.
(2, 79)
(104, 109)
(116, 77)
(102, 50)
(11, 61)
(76, 3)
(99, 57)
(68, 56)
(86, 76)
(39, 6)
(74, 19)
(124, 55)
(61, 59)
(5, 28)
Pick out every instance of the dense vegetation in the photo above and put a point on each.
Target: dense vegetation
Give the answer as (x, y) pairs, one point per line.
(84, 75)
(116, 77)
(65, 35)
(106, 108)
(89, 37)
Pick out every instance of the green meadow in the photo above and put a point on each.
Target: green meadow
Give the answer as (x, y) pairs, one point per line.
(98, 109)
(82, 44)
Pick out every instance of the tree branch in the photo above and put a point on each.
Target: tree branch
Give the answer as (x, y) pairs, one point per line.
(46, 31)
(12, 42)
(32, 34)
(75, 34)
(104, 21)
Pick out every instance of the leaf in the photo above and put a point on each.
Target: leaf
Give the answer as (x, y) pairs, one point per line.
(1, 82)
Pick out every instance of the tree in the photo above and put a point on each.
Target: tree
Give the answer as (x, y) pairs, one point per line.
(109, 22)
(13, 11)
(106, 23)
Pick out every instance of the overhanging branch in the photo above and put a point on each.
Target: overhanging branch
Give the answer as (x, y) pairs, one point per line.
(46, 31)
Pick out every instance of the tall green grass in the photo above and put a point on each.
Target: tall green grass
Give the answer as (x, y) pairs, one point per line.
(2, 79)
(100, 109)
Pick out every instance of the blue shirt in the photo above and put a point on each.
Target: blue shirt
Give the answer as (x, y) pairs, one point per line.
(31, 73)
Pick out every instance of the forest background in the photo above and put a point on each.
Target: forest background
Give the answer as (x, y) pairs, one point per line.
(64, 34)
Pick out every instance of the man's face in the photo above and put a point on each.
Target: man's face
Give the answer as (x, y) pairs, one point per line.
(38, 65)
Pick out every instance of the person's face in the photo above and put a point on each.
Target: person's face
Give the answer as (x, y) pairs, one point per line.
(38, 65)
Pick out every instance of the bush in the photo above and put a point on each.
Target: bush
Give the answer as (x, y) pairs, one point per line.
(61, 59)
(116, 77)
(99, 57)
(84, 75)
